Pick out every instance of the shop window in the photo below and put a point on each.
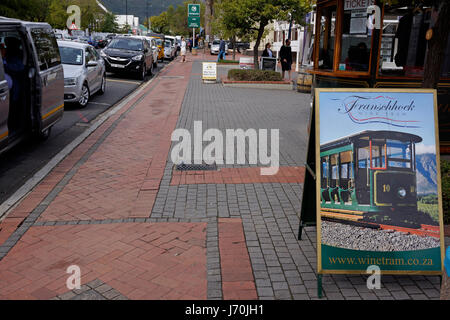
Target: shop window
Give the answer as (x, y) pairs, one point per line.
(356, 41)
(403, 44)
(327, 37)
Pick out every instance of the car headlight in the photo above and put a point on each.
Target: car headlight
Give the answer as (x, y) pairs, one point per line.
(103, 54)
(137, 58)
(401, 192)
(70, 82)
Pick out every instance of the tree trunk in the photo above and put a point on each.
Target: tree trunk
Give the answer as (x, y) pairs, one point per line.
(262, 26)
(436, 46)
(209, 11)
(234, 48)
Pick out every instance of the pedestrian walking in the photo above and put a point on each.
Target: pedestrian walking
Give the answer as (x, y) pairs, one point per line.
(190, 45)
(183, 49)
(222, 52)
(286, 58)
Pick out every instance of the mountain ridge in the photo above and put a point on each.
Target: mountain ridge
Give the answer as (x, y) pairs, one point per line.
(138, 7)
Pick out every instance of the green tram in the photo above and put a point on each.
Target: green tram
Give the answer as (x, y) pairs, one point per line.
(370, 176)
(347, 53)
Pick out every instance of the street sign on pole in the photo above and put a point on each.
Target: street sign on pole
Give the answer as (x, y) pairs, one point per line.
(194, 10)
(194, 22)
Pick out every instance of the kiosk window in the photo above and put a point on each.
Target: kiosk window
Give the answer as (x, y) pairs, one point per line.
(356, 41)
(327, 37)
(403, 43)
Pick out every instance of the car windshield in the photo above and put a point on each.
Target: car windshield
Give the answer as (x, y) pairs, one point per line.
(126, 44)
(71, 56)
(158, 42)
(168, 44)
(217, 42)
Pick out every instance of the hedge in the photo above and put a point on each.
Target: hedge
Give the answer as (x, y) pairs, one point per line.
(229, 61)
(253, 75)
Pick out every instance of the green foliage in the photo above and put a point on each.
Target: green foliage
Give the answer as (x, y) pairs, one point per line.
(174, 21)
(55, 12)
(229, 61)
(445, 173)
(431, 209)
(253, 75)
(251, 17)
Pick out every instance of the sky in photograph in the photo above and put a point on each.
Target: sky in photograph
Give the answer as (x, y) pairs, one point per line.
(336, 123)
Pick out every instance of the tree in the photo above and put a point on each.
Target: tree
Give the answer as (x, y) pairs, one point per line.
(209, 16)
(252, 16)
(109, 23)
(160, 24)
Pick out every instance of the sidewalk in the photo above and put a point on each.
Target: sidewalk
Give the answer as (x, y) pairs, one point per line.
(139, 229)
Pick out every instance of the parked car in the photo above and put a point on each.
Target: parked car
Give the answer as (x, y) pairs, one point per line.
(155, 50)
(129, 55)
(174, 45)
(84, 72)
(215, 47)
(31, 94)
(100, 42)
(169, 50)
(160, 45)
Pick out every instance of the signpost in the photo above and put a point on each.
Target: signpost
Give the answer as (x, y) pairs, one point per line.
(193, 19)
(209, 72)
(375, 209)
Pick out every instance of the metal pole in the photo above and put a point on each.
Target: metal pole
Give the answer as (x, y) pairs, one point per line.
(193, 37)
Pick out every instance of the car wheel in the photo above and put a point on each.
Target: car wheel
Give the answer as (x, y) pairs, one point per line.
(103, 86)
(143, 73)
(85, 96)
(43, 136)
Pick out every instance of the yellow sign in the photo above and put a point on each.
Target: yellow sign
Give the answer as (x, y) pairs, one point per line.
(209, 71)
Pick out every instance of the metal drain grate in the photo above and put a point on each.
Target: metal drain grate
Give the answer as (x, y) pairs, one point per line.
(196, 167)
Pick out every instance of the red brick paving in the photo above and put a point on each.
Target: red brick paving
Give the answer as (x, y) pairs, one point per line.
(237, 275)
(238, 176)
(122, 176)
(140, 260)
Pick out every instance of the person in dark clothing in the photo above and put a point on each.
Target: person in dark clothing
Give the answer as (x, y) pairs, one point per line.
(286, 58)
(222, 50)
(15, 68)
(267, 51)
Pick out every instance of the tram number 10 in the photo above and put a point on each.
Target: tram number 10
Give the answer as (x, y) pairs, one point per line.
(386, 188)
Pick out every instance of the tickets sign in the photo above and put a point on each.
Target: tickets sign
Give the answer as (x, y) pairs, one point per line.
(357, 4)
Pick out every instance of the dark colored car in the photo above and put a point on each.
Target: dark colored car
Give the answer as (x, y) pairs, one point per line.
(100, 42)
(128, 55)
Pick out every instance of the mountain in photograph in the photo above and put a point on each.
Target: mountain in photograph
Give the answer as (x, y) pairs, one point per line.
(426, 174)
(138, 7)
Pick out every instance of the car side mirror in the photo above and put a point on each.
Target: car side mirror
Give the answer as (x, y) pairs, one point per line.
(92, 64)
(153, 48)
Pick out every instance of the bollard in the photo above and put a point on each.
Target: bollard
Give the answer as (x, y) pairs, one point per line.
(445, 287)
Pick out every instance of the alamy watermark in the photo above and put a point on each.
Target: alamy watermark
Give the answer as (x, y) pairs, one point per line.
(374, 280)
(229, 148)
(75, 16)
(74, 280)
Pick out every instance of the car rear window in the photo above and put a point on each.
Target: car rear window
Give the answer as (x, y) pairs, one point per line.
(126, 44)
(71, 56)
(46, 47)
